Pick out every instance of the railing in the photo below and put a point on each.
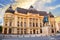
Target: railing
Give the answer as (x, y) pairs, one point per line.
(20, 36)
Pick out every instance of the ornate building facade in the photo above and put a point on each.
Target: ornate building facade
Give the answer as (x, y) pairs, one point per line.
(28, 21)
(57, 19)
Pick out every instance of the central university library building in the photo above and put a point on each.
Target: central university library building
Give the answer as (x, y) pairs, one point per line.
(28, 21)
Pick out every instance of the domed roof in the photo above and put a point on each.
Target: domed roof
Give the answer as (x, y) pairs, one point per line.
(9, 10)
(50, 14)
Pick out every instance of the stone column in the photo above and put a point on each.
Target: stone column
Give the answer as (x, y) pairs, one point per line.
(23, 22)
(38, 23)
(23, 31)
(32, 31)
(7, 30)
(28, 30)
(15, 24)
(3, 30)
(12, 30)
(38, 31)
(15, 30)
(15, 20)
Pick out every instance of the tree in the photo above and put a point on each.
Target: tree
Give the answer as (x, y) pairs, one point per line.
(0, 29)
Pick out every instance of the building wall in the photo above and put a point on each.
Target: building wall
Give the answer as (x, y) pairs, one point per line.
(57, 20)
(19, 23)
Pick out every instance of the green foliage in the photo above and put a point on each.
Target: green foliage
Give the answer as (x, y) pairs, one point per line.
(0, 28)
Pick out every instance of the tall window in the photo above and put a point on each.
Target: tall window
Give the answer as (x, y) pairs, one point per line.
(24, 31)
(21, 24)
(33, 31)
(10, 30)
(17, 30)
(30, 19)
(21, 31)
(36, 24)
(24, 19)
(5, 24)
(40, 25)
(24, 24)
(10, 24)
(18, 18)
(33, 24)
(40, 30)
(51, 25)
(33, 19)
(18, 24)
(30, 24)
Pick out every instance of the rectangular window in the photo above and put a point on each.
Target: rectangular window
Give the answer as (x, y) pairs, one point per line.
(24, 24)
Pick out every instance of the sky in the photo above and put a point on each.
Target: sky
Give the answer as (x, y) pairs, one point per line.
(40, 5)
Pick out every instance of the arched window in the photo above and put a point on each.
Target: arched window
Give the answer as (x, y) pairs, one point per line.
(40, 30)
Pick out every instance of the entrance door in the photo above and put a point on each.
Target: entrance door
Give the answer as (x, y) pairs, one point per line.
(9, 30)
(33, 31)
(5, 31)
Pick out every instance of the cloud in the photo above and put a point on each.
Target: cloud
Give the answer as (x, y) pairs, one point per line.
(24, 3)
(2, 5)
(2, 12)
(54, 7)
(47, 1)
(40, 5)
(1, 24)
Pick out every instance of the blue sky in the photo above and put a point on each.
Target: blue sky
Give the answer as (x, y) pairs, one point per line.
(42, 5)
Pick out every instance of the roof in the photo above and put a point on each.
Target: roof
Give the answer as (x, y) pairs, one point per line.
(50, 14)
(21, 10)
(25, 11)
(9, 10)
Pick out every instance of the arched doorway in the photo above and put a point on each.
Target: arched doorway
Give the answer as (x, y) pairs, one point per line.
(52, 31)
(33, 31)
(9, 30)
(18, 30)
(5, 30)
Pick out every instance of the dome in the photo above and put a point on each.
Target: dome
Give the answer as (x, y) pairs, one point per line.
(50, 14)
(9, 10)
